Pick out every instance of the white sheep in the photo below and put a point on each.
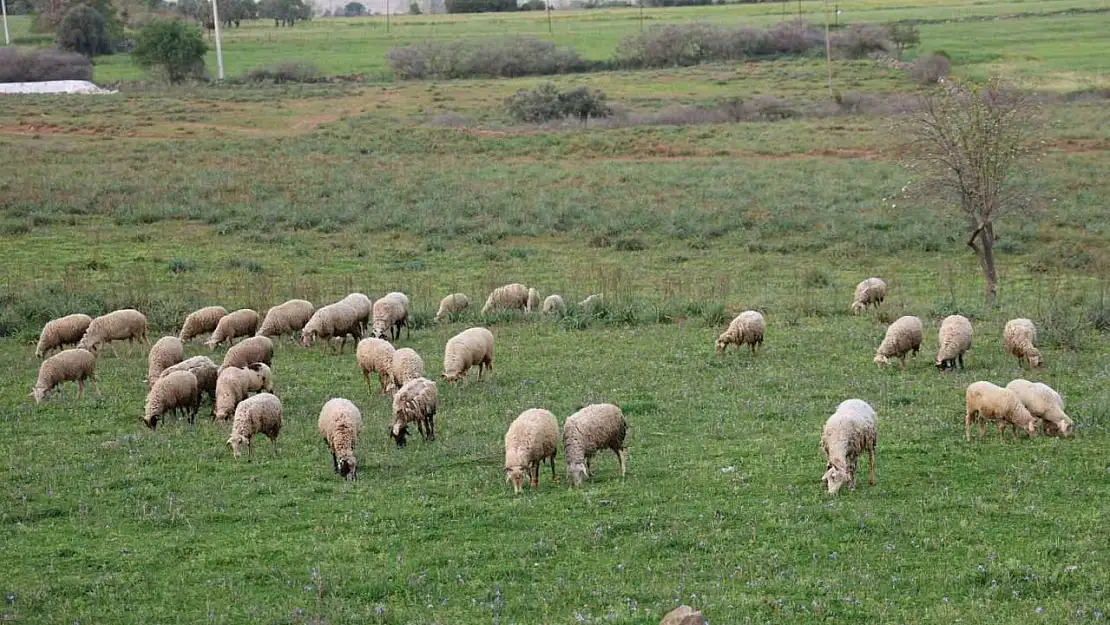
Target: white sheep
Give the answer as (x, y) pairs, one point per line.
(391, 313)
(508, 297)
(469, 348)
(261, 414)
(375, 356)
(336, 320)
(990, 402)
(242, 322)
(1045, 404)
(205, 371)
(249, 350)
(178, 391)
(361, 303)
(452, 305)
(902, 337)
(953, 340)
(415, 402)
(533, 304)
(286, 318)
(849, 432)
(121, 325)
(533, 437)
(167, 351)
(1018, 338)
(71, 365)
(870, 292)
(406, 365)
(746, 329)
(593, 428)
(201, 321)
(234, 384)
(58, 333)
(554, 305)
(591, 303)
(339, 424)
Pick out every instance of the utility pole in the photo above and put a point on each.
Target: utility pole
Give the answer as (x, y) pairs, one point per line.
(387, 16)
(219, 50)
(550, 28)
(641, 15)
(828, 48)
(7, 37)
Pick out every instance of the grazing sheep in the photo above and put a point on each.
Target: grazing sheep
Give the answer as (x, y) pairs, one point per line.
(902, 337)
(375, 356)
(452, 304)
(994, 403)
(533, 304)
(953, 340)
(71, 365)
(1045, 404)
(260, 414)
(168, 351)
(849, 432)
(508, 297)
(59, 333)
(242, 322)
(332, 321)
(391, 313)
(554, 304)
(415, 402)
(1018, 338)
(469, 348)
(254, 349)
(746, 329)
(870, 292)
(533, 437)
(339, 423)
(235, 383)
(595, 427)
(286, 318)
(361, 303)
(121, 325)
(591, 303)
(406, 365)
(205, 371)
(201, 321)
(176, 391)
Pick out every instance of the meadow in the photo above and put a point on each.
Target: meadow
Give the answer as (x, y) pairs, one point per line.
(167, 199)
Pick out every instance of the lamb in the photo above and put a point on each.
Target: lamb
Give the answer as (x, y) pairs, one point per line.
(954, 339)
(746, 329)
(121, 325)
(168, 351)
(375, 356)
(452, 304)
(849, 432)
(71, 365)
(533, 437)
(234, 384)
(415, 402)
(201, 321)
(554, 304)
(989, 402)
(242, 322)
(902, 337)
(336, 320)
(1018, 338)
(595, 427)
(339, 423)
(533, 304)
(260, 414)
(469, 348)
(59, 333)
(286, 318)
(205, 372)
(1045, 404)
(508, 297)
(406, 365)
(177, 391)
(870, 292)
(391, 313)
(254, 349)
(589, 304)
(361, 303)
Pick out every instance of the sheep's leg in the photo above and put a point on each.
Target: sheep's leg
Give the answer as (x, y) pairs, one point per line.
(622, 456)
(250, 448)
(871, 475)
(196, 409)
(431, 427)
(960, 359)
(334, 460)
(81, 388)
(982, 427)
(902, 362)
(420, 428)
(112, 346)
(273, 440)
(366, 374)
(552, 467)
(534, 474)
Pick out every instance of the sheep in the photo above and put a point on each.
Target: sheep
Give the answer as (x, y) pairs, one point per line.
(870, 292)
(286, 318)
(242, 322)
(746, 329)
(452, 304)
(554, 304)
(953, 340)
(234, 383)
(406, 365)
(71, 365)
(121, 325)
(168, 351)
(260, 414)
(902, 337)
(1045, 404)
(339, 423)
(1018, 338)
(415, 402)
(336, 320)
(205, 371)
(533, 437)
(508, 297)
(850, 431)
(58, 333)
(361, 303)
(990, 402)
(469, 348)
(594, 427)
(375, 356)
(201, 321)
(533, 304)
(591, 303)
(253, 349)
(177, 391)
(391, 313)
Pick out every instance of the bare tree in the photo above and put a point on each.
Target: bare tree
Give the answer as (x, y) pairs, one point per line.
(970, 143)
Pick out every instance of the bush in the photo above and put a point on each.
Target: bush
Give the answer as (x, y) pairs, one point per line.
(42, 65)
(505, 58)
(83, 30)
(172, 47)
(929, 69)
(904, 36)
(284, 72)
(862, 40)
(546, 103)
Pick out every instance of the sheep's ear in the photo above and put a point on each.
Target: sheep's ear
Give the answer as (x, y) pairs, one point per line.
(255, 366)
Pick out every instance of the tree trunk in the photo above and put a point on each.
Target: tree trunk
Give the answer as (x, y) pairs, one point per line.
(987, 239)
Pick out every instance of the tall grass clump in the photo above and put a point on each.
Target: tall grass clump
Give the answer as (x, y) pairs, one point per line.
(283, 72)
(42, 65)
(497, 58)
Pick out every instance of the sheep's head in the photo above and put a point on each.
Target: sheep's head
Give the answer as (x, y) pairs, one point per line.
(348, 467)
(721, 344)
(377, 332)
(39, 394)
(835, 477)
(515, 476)
(211, 343)
(399, 433)
(880, 360)
(265, 376)
(236, 443)
(1035, 358)
(151, 421)
(452, 377)
(858, 307)
(38, 352)
(306, 338)
(1063, 428)
(88, 345)
(577, 472)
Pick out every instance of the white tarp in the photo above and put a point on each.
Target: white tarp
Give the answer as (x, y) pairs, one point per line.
(52, 86)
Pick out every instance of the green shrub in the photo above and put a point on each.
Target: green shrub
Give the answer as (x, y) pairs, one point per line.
(40, 65)
(284, 72)
(546, 103)
(83, 30)
(497, 58)
(172, 48)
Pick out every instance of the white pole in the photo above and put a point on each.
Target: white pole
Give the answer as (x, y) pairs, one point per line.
(219, 50)
(7, 37)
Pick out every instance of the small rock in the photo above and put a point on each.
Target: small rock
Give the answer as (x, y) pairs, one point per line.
(683, 615)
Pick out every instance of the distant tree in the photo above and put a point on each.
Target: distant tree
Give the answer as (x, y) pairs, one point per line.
(480, 6)
(414, 8)
(48, 14)
(172, 47)
(354, 9)
(326, 13)
(284, 12)
(84, 31)
(904, 35)
(534, 5)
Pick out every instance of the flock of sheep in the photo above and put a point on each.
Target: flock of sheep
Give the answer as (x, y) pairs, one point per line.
(241, 387)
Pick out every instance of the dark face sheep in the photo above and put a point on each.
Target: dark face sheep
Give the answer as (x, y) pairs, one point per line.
(348, 467)
(152, 423)
(399, 433)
